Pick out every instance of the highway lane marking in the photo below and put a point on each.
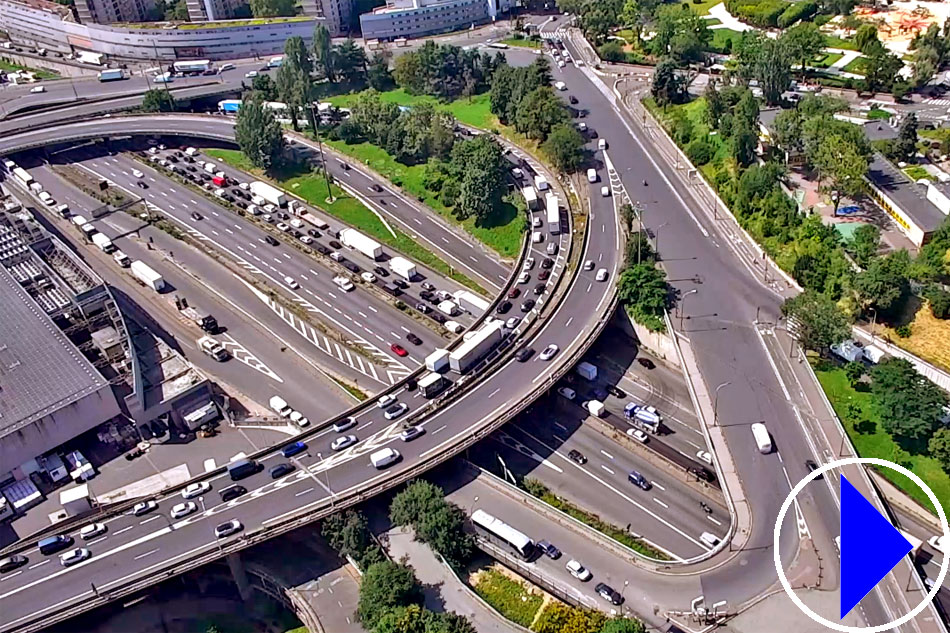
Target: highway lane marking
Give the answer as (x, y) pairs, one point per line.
(373, 309)
(658, 486)
(560, 426)
(39, 564)
(661, 503)
(568, 322)
(607, 469)
(494, 392)
(148, 553)
(125, 529)
(441, 428)
(716, 521)
(98, 540)
(157, 516)
(364, 425)
(303, 492)
(9, 576)
(605, 453)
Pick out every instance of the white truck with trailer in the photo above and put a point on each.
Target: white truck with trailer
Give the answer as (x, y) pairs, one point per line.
(111, 74)
(587, 370)
(402, 267)
(147, 276)
(432, 384)
(553, 213)
(470, 302)
(462, 358)
(103, 242)
(271, 194)
(437, 360)
(530, 197)
(352, 238)
(23, 176)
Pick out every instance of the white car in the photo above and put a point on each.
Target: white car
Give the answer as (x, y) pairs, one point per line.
(704, 456)
(589, 264)
(512, 322)
(244, 185)
(299, 419)
(605, 191)
(536, 222)
(74, 556)
(283, 227)
(92, 531)
(638, 435)
(395, 411)
(291, 282)
(37, 89)
(577, 570)
(528, 263)
(549, 352)
(368, 277)
(306, 239)
(251, 74)
(386, 400)
(342, 442)
(344, 424)
(195, 490)
(601, 275)
(941, 544)
(137, 173)
(524, 278)
(144, 507)
(227, 529)
(180, 510)
(567, 392)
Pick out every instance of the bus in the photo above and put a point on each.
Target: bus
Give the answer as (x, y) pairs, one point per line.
(23, 176)
(499, 532)
(194, 66)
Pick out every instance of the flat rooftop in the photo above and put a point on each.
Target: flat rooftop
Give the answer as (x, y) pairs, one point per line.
(910, 197)
(40, 369)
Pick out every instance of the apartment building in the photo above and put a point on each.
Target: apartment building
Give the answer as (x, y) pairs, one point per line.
(418, 18)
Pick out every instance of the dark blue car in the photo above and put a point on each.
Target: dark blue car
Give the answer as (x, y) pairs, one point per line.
(293, 449)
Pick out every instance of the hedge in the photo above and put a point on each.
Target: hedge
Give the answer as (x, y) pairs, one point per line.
(798, 11)
(761, 13)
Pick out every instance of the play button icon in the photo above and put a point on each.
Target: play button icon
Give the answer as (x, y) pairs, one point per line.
(870, 547)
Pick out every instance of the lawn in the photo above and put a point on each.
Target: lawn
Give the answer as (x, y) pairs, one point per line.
(858, 66)
(916, 172)
(928, 339)
(702, 7)
(521, 42)
(825, 60)
(872, 441)
(312, 187)
(475, 111)
(877, 113)
(513, 599)
(833, 41)
(503, 234)
(10, 68)
(721, 37)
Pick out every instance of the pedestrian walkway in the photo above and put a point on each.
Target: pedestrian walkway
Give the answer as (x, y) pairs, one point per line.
(726, 19)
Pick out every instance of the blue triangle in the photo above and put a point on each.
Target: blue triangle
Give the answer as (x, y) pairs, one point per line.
(870, 547)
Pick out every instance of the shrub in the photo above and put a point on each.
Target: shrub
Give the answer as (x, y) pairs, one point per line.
(939, 302)
(611, 51)
(762, 13)
(903, 331)
(795, 12)
(700, 151)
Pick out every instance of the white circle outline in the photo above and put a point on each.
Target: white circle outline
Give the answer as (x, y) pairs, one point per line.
(788, 587)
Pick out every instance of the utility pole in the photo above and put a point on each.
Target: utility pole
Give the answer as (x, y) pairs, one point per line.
(323, 159)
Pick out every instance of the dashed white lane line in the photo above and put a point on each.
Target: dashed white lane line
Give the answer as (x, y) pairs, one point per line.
(660, 503)
(606, 454)
(125, 529)
(607, 469)
(303, 492)
(148, 553)
(150, 519)
(38, 564)
(716, 521)
(658, 486)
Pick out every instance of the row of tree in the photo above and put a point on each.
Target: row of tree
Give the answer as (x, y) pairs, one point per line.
(445, 71)
(642, 288)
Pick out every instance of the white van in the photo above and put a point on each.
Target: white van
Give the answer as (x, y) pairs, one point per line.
(213, 348)
(384, 457)
(602, 144)
(137, 173)
(453, 326)
(191, 151)
(280, 406)
(537, 237)
(762, 438)
(122, 259)
(46, 198)
(592, 175)
(79, 220)
(709, 539)
(253, 209)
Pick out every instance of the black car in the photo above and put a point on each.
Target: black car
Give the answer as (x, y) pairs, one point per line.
(524, 355)
(425, 295)
(335, 244)
(572, 99)
(438, 318)
(577, 457)
(402, 284)
(702, 474)
(12, 562)
(344, 166)
(279, 470)
(527, 305)
(196, 216)
(376, 188)
(608, 593)
(427, 286)
(812, 466)
(273, 241)
(320, 248)
(241, 204)
(350, 266)
(313, 233)
(423, 308)
(191, 168)
(646, 362)
(503, 307)
(539, 288)
(549, 550)
(141, 185)
(382, 272)
(232, 492)
(547, 263)
(412, 338)
(617, 392)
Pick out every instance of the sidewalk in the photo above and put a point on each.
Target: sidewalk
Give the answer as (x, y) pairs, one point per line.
(443, 590)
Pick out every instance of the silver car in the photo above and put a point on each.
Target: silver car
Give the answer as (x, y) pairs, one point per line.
(342, 442)
(549, 352)
(227, 529)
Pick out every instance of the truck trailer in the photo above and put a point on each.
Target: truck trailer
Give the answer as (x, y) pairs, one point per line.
(587, 370)
(554, 214)
(352, 238)
(474, 349)
(432, 384)
(402, 267)
(270, 194)
(229, 106)
(147, 276)
(530, 197)
(111, 74)
(437, 360)
(470, 302)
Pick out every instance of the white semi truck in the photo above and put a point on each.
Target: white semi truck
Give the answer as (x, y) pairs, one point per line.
(147, 276)
(352, 238)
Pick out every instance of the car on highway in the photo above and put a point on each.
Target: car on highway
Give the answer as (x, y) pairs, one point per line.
(638, 435)
(512, 322)
(514, 292)
(136, 173)
(609, 594)
(423, 308)
(273, 241)
(74, 556)
(227, 529)
(503, 307)
(547, 263)
(646, 363)
(412, 338)
(577, 457)
(398, 350)
(180, 510)
(549, 352)
(589, 265)
(92, 531)
(411, 433)
(527, 305)
(616, 391)
(382, 272)
(704, 456)
(539, 288)
(523, 355)
(605, 191)
(283, 227)
(395, 411)
(427, 286)
(524, 278)
(251, 74)
(144, 507)
(601, 275)
(368, 277)
(10, 563)
(702, 474)
(812, 466)
(37, 89)
(528, 264)
(549, 550)
(639, 480)
(385, 401)
(344, 424)
(232, 492)
(291, 282)
(141, 185)
(577, 570)
(344, 441)
(196, 216)
(279, 470)
(196, 489)
(293, 449)
(572, 99)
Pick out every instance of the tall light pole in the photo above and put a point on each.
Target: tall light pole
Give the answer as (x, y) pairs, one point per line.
(683, 304)
(656, 238)
(716, 402)
(204, 513)
(326, 472)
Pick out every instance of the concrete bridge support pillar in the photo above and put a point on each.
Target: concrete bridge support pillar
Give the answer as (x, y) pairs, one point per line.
(240, 575)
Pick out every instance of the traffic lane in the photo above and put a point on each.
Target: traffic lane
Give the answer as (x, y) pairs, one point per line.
(257, 367)
(179, 203)
(668, 516)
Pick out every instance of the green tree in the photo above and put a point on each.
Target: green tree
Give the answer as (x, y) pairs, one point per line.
(803, 42)
(818, 321)
(272, 8)
(294, 81)
(866, 38)
(908, 404)
(668, 86)
(881, 69)
(481, 166)
(773, 71)
(597, 18)
(350, 61)
(348, 533)
(638, 250)
(905, 146)
(842, 163)
(939, 447)
(864, 244)
(265, 87)
(538, 112)
(385, 586)
(745, 138)
(631, 16)
(158, 100)
(564, 147)
(377, 74)
(627, 215)
(322, 47)
(680, 33)
(854, 371)
(259, 134)
(435, 520)
(643, 290)
(623, 625)
(883, 284)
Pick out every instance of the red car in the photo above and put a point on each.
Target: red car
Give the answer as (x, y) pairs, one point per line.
(398, 349)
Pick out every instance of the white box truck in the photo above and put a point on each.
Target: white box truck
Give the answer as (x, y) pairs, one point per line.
(402, 267)
(587, 370)
(596, 408)
(553, 214)
(530, 197)
(474, 349)
(147, 276)
(103, 242)
(470, 302)
(280, 406)
(437, 360)
(448, 308)
(540, 183)
(352, 238)
(432, 384)
(111, 74)
(270, 194)
(762, 438)
(384, 457)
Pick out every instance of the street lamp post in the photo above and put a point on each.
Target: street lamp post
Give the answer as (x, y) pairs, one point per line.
(656, 238)
(204, 513)
(683, 304)
(326, 472)
(716, 402)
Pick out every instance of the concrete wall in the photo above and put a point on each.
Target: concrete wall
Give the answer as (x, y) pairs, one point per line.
(660, 345)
